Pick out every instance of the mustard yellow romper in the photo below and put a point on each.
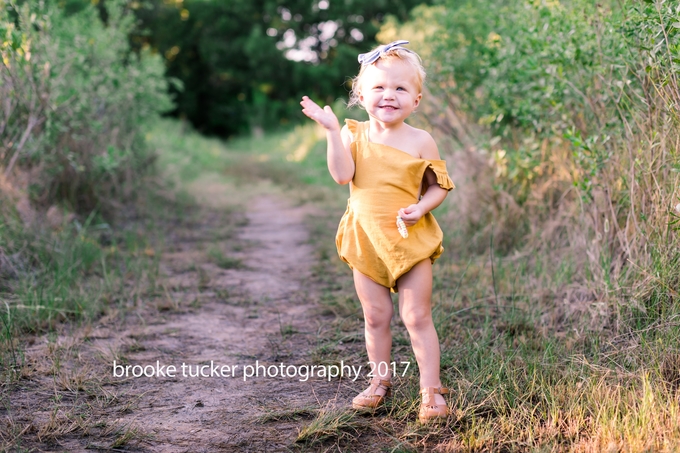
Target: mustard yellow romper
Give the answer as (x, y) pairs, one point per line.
(387, 179)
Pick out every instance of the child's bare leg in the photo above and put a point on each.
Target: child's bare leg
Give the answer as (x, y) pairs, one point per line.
(415, 308)
(377, 306)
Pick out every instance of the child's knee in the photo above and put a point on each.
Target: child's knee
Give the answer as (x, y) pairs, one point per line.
(416, 319)
(377, 318)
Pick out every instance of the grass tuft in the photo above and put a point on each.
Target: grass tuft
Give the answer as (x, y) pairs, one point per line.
(224, 261)
(330, 423)
(287, 414)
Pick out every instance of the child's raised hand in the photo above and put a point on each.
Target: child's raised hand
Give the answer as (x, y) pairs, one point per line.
(411, 214)
(324, 116)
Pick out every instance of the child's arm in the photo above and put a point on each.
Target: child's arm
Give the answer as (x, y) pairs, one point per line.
(434, 195)
(339, 156)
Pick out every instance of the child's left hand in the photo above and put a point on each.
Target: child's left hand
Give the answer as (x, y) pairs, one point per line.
(411, 214)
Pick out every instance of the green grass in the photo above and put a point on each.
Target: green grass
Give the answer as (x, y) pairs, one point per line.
(536, 358)
(330, 423)
(88, 267)
(294, 158)
(75, 273)
(295, 161)
(535, 361)
(223, 260)
(525, 374)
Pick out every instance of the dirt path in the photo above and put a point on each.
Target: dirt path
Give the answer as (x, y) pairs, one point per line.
(254, 306)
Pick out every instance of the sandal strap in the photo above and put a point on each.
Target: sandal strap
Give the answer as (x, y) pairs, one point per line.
(433, 390)
(381, 384)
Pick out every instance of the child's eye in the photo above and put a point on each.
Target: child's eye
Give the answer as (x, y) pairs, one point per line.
(401, 89)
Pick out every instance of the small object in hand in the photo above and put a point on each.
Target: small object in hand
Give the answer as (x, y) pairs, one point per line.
(401, 226)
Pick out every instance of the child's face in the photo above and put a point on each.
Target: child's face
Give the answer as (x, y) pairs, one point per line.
(389, 91)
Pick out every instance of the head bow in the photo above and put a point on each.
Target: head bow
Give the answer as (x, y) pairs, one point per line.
(372, 57)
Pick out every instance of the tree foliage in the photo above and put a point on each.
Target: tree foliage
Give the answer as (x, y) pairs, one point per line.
(236, 59)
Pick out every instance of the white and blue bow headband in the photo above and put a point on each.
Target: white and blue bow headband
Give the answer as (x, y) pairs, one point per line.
(371, 57)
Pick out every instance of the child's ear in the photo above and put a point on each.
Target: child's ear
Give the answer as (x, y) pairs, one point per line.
(418, 98)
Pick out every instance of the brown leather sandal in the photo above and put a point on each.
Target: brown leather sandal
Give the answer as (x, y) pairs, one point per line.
(373, 400)
(429, 409)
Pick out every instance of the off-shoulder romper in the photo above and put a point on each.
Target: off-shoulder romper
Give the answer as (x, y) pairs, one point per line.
(385, 180)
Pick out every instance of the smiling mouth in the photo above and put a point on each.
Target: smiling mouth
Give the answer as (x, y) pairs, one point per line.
(389, 107)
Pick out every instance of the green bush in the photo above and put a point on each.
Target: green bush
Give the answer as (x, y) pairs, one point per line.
(75, 99)
(573, 110)
(582, 70)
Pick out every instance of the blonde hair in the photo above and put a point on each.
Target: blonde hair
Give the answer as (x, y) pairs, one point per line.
(398, 53)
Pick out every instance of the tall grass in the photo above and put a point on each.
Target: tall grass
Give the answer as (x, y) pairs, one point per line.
(561, 124)
(556, 298)
(77, 272)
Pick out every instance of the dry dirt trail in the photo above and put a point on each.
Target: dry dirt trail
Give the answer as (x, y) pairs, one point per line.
(225, 320)
(247, 318)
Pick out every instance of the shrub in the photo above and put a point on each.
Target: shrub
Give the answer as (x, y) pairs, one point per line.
(568, 115)
(74, 101)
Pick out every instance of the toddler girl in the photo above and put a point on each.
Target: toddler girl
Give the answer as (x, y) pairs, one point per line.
(394, 172)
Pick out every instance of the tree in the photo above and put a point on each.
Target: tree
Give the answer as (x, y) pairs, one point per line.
(236, 59)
